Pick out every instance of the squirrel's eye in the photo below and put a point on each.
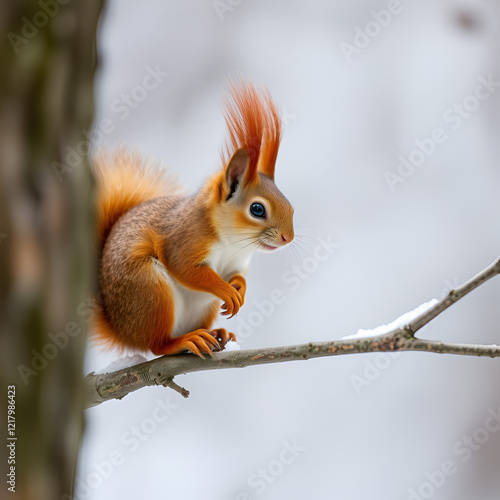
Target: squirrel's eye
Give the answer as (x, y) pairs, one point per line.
(258, 210)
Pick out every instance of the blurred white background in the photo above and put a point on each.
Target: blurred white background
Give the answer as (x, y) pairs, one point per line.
(360, 431)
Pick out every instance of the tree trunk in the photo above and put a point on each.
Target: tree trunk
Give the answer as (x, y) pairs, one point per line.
(46, 238)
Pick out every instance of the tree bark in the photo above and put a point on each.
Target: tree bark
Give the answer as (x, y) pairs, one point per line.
(46, 237)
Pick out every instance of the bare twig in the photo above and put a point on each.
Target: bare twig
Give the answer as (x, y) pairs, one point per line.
(161, 371)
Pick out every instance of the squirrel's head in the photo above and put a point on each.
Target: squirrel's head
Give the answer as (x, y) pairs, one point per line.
(250, 204)
(252, 207)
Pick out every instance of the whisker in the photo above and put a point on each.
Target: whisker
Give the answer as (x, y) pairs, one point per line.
(300, 245)
(299, 251)
(306, 245)
(305, 237)
(233, 227)
(295, 252)
(242, 248)
(234, 242)
(259, 245)
(239, 232)
(244, 235)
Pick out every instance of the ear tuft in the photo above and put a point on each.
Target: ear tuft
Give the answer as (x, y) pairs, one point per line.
(254, 124)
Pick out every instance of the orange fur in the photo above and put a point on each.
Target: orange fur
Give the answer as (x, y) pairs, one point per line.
(150, 245)
(154, 238)
(104, 335)
(198, 342)
(124, 180)
(239, 282)
(221, 334)
(254, 124)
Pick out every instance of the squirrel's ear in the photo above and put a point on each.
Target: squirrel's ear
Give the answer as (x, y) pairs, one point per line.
(238, 170)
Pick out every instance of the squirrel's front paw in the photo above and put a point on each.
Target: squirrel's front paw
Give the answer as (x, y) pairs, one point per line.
(238, 282)
(232, 302)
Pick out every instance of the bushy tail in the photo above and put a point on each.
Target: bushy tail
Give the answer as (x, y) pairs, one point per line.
(124, 180)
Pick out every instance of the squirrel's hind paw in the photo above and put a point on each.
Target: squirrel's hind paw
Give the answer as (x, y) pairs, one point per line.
(199, 342)
(223, 336)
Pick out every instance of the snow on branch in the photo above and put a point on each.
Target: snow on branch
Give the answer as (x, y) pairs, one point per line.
(397, 336)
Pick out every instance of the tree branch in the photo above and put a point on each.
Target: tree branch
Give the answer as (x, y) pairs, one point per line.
(161, 371)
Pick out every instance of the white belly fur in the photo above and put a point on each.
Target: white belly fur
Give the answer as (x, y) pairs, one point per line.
(226, 258)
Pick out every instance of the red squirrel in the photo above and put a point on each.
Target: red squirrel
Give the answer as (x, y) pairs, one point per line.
(169, 261)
